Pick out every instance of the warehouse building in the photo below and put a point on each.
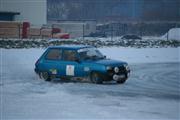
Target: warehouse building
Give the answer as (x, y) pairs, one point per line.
(30, 18)
(33, 11)
(76, 28)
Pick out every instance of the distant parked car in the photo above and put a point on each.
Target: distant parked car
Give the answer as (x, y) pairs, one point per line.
(131, 37)
(80, 61)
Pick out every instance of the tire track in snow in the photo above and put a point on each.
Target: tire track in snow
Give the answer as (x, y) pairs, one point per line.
(146, 80)
(156, 80)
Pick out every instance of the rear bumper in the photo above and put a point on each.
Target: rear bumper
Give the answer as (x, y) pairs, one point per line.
(36, 70)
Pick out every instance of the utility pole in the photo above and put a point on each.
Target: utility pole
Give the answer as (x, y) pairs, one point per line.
(83, 31)
(111, 31)
(111, 27)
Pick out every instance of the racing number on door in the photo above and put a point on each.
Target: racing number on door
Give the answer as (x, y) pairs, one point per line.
(70, 70)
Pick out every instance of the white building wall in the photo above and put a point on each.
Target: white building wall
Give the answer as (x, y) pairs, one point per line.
(33, 11)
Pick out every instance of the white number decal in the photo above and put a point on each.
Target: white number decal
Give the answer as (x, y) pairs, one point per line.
(70, 70)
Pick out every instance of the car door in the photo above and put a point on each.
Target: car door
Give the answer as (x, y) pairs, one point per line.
(52, 61)
(71, 67)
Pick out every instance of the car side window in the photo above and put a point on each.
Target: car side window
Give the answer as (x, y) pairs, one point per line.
(69, 55)
(54, 54)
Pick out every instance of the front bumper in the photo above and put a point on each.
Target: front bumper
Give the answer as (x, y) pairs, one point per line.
(124, 73)
(117, 77)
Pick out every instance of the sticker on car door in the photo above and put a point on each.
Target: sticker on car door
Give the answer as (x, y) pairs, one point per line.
(53, 71)
(70, 70)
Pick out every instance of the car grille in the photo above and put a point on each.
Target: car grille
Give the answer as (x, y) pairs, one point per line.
(122, 70)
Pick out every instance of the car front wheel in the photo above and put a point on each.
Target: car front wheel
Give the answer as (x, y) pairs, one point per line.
(45, 76)
(96, 78)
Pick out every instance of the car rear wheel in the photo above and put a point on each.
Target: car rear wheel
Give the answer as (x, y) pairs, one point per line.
(45, 76)
(96, 78)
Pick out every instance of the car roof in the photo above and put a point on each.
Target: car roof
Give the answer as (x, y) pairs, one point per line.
(71, 47)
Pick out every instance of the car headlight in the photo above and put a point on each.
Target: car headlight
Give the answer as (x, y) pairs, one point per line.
(108, 68)
(127, 67)
(116, 69)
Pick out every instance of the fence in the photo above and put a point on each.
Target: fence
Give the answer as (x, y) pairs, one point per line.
(141, 28)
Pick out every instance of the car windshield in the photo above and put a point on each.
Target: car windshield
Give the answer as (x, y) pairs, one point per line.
(90, 54)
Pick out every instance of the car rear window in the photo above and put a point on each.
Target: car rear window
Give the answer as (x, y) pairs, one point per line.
(54, 54)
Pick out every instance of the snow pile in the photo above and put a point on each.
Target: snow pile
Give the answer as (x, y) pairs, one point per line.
(173, 34)
(97, 42)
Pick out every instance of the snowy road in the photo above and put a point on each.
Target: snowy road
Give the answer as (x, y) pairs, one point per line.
(151, 92)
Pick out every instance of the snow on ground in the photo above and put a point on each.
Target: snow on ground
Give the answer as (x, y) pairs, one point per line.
(152, 91)
(131, 55)
(146, 55)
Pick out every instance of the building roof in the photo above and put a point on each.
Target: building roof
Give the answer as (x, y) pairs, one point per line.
(9, 13)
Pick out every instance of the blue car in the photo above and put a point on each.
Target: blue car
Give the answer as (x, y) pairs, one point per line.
(80, 61)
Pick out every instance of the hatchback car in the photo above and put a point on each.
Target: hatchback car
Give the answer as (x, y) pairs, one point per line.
(80, 61)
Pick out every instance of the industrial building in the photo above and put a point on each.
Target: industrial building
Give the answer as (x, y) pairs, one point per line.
(33, 11)
(76, 28)
(34, 14)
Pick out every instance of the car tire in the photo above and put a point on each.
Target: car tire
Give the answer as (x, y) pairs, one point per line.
(45, 76)
(121, 81)
(96, 78)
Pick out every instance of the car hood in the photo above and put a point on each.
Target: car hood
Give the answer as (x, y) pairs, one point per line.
(109, 62)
